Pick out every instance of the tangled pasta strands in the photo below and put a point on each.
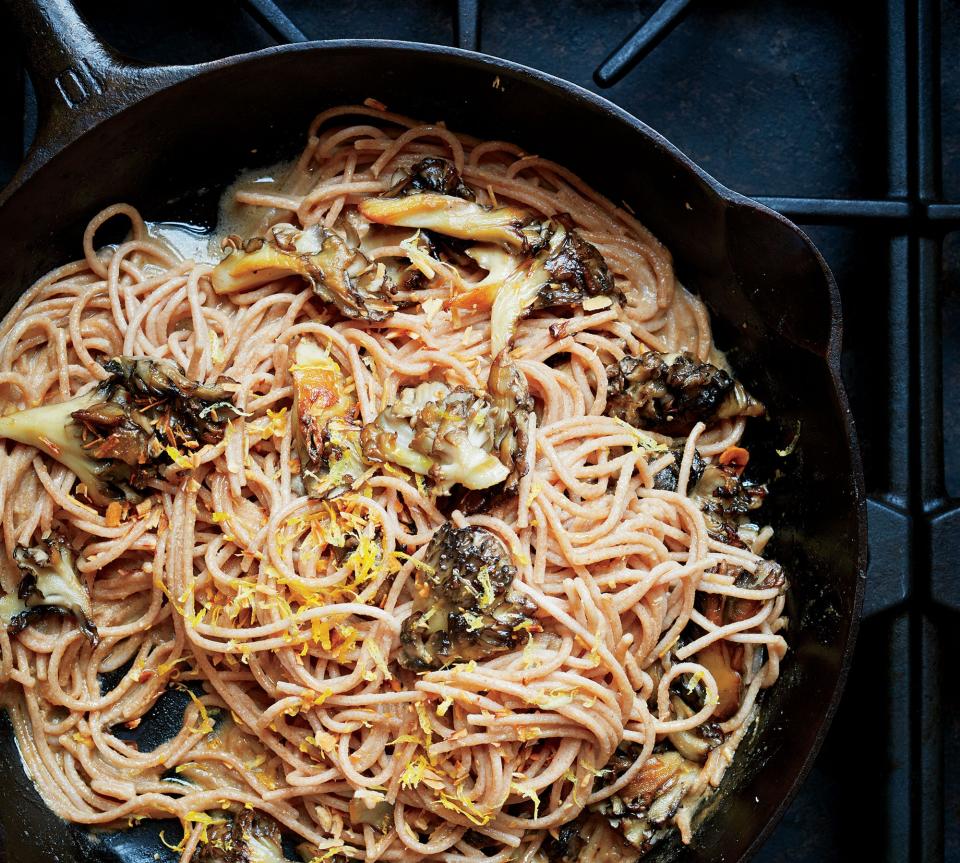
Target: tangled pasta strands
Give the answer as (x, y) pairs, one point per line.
(223, 577)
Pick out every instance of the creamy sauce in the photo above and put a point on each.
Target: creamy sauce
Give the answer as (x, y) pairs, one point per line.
(190, 242)
(243, 219)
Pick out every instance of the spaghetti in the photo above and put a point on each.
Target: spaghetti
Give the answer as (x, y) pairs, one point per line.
(280, 614)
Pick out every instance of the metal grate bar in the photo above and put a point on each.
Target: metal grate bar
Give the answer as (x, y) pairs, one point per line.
(467, 24)
(926, 451)
(949, 213)
(836, 210)
(274, 21)
(898, 156)
(641, 42)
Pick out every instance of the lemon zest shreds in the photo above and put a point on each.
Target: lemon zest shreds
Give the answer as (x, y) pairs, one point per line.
(320, 632)
(178, 458)
(474, 621)
(206, 721)
(315, 699)
(364, 559)
(530, 794)
(424, 719)
(529, 732)
(419, 564)
(419, 770)
(204, 819)
(278, 422)
(179, 846)
(640, 439)
(488, 595)
(466, 807)
(167, 667)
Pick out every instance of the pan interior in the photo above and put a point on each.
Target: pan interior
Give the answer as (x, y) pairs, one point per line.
(767, 290)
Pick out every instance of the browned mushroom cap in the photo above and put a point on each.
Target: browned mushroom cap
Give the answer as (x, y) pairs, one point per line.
(642, 809)
(49, 584)
(119, 436)
(431, 174)
(670, 393)
(453, 435)
(511, 408)
(338, 271)
(327, 429)
(726, 499)
(464, 607)
(566, 270)
(251, 837)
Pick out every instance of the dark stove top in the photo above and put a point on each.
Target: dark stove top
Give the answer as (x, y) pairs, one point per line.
(847, 122)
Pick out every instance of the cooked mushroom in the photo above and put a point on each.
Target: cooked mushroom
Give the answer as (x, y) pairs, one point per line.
(327, 430)
(566, 270)
(768, 574)
(643, 809)
(566, 846)
(464, 607)
(725, 500)
(666, 479)
(431, 175)
(476, 438)
(338, 272)
(454, 217)
(695, 744)
(249, 838)
(119, 435)
(48, 585)
(511, 407)
(670, 393)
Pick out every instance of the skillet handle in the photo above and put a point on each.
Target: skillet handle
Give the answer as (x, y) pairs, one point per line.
(78, 80)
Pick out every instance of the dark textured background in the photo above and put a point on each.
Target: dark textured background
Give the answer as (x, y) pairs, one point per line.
(774, 98)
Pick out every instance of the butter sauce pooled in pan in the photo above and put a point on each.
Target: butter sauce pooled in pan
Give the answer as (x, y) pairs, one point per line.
(430, 496)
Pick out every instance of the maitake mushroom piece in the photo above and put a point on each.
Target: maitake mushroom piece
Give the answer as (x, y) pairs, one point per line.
(249, 838)
(327, 429)
(726, 501)
(338, 272)
(567, 270)
(431, 174)
(455, 217)
(643, 809)
(48, 585)
(670, 393)
(118, 436)
(464, 607)
(667, 478)
(473, 437)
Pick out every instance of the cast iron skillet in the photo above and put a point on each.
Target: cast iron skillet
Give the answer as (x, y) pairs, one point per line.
(166, 139)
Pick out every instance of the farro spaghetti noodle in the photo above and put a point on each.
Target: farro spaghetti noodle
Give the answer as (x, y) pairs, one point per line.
(222, 577)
